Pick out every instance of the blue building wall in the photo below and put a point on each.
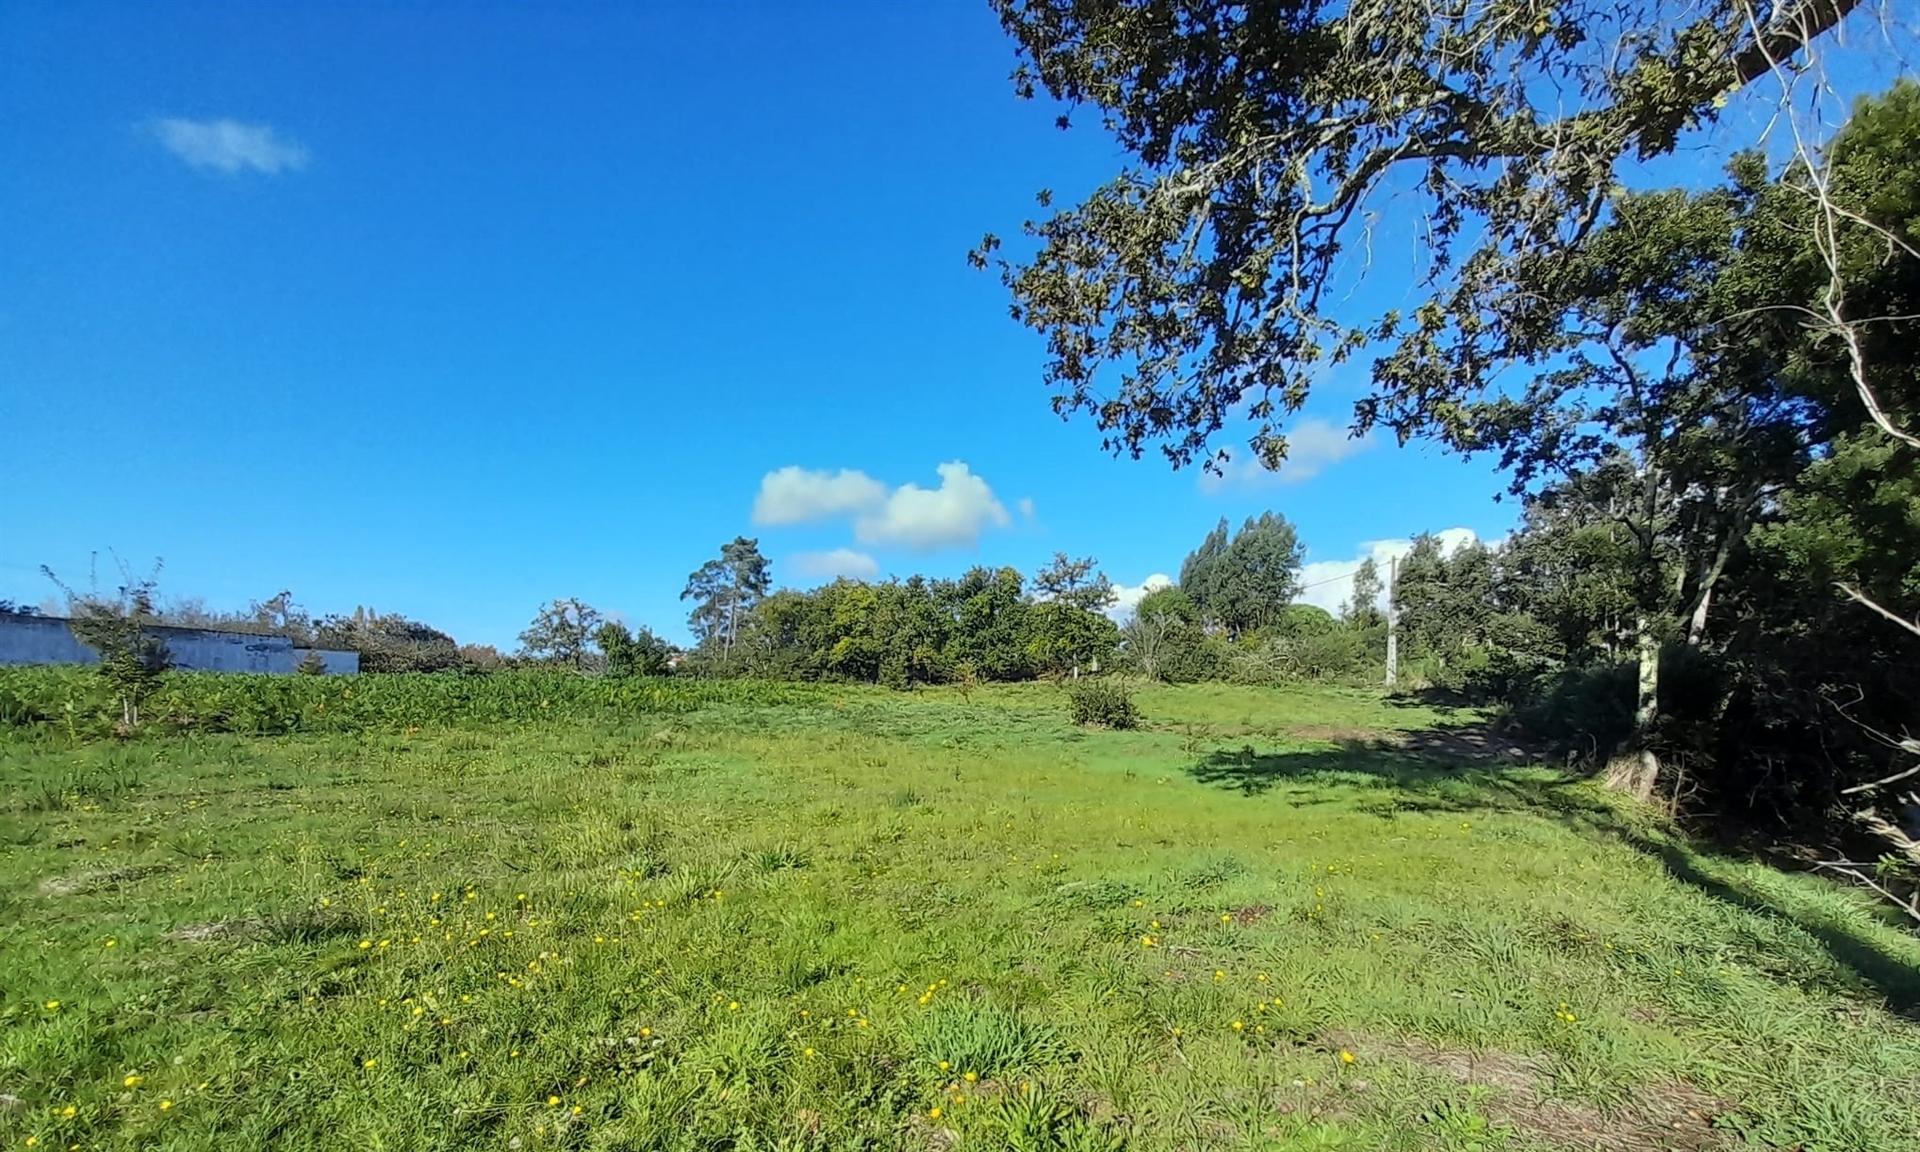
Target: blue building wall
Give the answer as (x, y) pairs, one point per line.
(48, 640)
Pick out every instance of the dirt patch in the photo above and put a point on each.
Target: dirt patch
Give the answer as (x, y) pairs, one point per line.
(1664, 1117)
(1251, 914)
(931, 1134)
(81, 883)
(214, 930)
(1674, 1116)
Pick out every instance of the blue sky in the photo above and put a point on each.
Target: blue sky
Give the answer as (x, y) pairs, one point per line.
(452, 310)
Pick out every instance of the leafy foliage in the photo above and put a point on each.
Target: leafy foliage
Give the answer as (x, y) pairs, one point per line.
(921, 631)
(121, 629)
(1245, 582)
(1077, 583)
(564, 632)
(1261, 137)
(390, 642)
(1101, 703)
(725, 592)
(78, 702)
(636, 653)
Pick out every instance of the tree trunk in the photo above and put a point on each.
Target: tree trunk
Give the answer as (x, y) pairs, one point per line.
(1710, 578)
(1635, 770)
(1697, 624)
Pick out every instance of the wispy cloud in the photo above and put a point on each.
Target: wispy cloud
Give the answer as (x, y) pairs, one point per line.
(229, 146)
(1313, 446)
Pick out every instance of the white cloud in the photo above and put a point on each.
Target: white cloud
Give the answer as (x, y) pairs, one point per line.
(1026, 507)
(1329, 583)
(230, 146)
(1313, 446)
(924, 519)
(950, 516)
(836, 563)
(795, 495)
(1127, 597)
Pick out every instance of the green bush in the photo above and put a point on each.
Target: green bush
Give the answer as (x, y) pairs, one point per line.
(1106, 703)
(72, 699)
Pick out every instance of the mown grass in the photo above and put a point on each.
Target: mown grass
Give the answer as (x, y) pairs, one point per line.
(811, 922)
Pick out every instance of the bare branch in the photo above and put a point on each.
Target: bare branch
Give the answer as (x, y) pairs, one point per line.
(1860, 597)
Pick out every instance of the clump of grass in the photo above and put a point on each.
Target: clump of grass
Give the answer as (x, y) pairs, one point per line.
(979, 1036)
(191, 843)
(1027, 1120)
(787, 857)
(1210, 872)
(307, 924)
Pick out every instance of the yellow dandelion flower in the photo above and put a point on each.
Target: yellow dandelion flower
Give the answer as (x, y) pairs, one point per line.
(165, 1104)
(552, 1101)
(971, 1077)
(53, 1005)
(132, 1080)
(933, 1113)
(369, 1062)
(1238, 1025)
(1346, 1057)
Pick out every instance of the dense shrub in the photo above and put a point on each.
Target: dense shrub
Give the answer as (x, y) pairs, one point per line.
(71, 698)
(1106, 703)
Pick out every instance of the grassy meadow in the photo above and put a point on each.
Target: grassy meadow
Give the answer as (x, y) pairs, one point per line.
(835, 918)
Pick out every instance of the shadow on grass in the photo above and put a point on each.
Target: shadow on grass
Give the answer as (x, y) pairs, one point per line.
(1432, 699)
(1448, 771)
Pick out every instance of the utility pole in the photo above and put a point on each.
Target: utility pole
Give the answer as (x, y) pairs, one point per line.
(1393, 622)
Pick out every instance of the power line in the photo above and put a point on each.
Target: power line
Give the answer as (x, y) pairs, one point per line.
(1333, 579)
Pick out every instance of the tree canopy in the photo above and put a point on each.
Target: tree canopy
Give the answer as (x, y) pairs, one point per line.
(1245, 582)
(1189, 291)
(563, 632)
(725, 590)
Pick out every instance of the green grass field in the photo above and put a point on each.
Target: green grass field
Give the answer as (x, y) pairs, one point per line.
(850, 918)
